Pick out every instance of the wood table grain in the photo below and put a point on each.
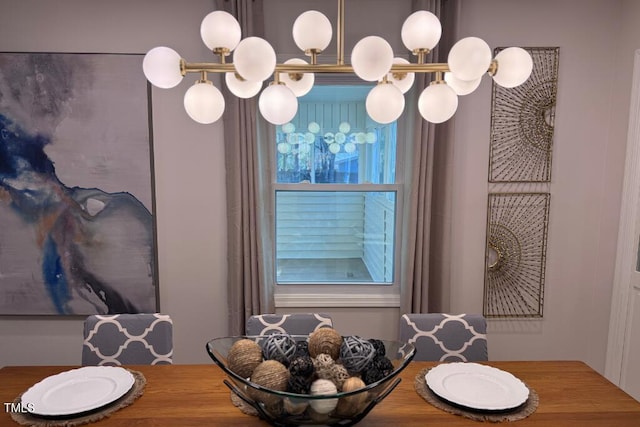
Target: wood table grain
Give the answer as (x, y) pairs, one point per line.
(570, 392)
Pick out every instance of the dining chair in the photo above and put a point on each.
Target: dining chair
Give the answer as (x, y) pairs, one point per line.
(293, 324)
(446, 337)
(128, 339)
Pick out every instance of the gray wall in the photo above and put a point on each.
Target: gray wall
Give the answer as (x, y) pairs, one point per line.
(591, 121)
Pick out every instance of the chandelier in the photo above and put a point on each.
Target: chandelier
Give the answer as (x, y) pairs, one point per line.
(372, 60)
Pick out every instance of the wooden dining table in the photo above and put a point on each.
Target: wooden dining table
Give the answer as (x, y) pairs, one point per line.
(570, 394)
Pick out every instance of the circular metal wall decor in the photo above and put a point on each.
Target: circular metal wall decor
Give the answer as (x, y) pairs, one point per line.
(517, 225)
(522, 123)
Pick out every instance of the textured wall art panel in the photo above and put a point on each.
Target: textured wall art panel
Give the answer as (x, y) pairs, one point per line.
(522, 122)
(517, 226)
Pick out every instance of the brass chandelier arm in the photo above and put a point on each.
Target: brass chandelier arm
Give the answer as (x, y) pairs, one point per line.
(197, 67)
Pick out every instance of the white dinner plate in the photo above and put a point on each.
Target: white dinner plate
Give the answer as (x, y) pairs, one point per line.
(78, 390)
(477, 386)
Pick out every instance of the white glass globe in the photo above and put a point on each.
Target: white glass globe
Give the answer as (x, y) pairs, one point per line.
(299, 87)
(334, 148)
(371, 138)
(361, 138)
(349, 147)
(313, 127)
(461, 87)
(371, 58)
(312, 30)
(204, 103)
(421, 30)
(309, 138)
(344, 127)
(385, 103)
(437, 103)
(241, 88)
(469, 58)
(340, 138)
(161, 66)
(278, 104)
(514, 67)
(284, 148)
(220, 29)
(288, 127)
(404, 83)
(254, 59)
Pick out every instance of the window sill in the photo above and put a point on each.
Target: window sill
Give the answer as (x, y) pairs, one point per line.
(336, 300)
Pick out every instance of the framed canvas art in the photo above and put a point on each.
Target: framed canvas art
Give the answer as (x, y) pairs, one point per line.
(77, 223)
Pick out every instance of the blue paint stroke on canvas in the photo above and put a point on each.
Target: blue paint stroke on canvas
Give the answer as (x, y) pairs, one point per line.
(96, 247)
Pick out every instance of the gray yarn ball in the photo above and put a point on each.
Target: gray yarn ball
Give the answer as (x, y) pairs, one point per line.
(279, 347)
(356, 353)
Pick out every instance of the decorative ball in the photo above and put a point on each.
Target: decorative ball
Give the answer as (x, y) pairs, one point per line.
(299, 384)
(338, 374)
(350, 405)
(280, 347)
(243, 357)
(325, 340)
(302, 349)
(379, 368)
(356, 354)
(294, 406)
(270, 374)
(379, 346)
(321, 387)
(322, 365)
(301, 366)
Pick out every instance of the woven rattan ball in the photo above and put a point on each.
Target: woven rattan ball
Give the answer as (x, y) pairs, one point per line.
(351, 405)
(272, 375)
(320, 387)
(322, 365)
(325, 340)
(280, 347)
(243, 357)
(356, 354)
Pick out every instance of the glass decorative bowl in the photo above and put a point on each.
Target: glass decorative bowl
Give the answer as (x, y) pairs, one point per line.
(283, 408)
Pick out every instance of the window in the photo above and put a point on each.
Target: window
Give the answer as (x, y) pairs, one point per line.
(336, 197)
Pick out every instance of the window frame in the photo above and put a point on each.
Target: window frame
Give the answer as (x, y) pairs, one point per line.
(316, 295)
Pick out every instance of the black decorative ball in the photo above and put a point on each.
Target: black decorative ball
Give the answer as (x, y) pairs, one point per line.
(379, 346)
(301, 366)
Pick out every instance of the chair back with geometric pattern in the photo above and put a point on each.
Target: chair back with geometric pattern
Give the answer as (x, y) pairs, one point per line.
(128, 339)
(292, 324)
(446, 337)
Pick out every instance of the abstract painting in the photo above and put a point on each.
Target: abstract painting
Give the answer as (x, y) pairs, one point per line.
(77, 223)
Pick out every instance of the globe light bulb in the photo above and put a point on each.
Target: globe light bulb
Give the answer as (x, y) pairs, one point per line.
(514, 67)
(334, 148)
(204, 103)
(344, 127)
(402, 81)
(469, 58)
(312, 31)
(421, 30)
(240, 87)
(313, 127)
(384, 103)
(220, 29)
(278, 104)
(288, 127)
(349, 147)
(161, 66)
(437, 103)
(299, 87)
(254, 59)
(461, 87)
(372, 58)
